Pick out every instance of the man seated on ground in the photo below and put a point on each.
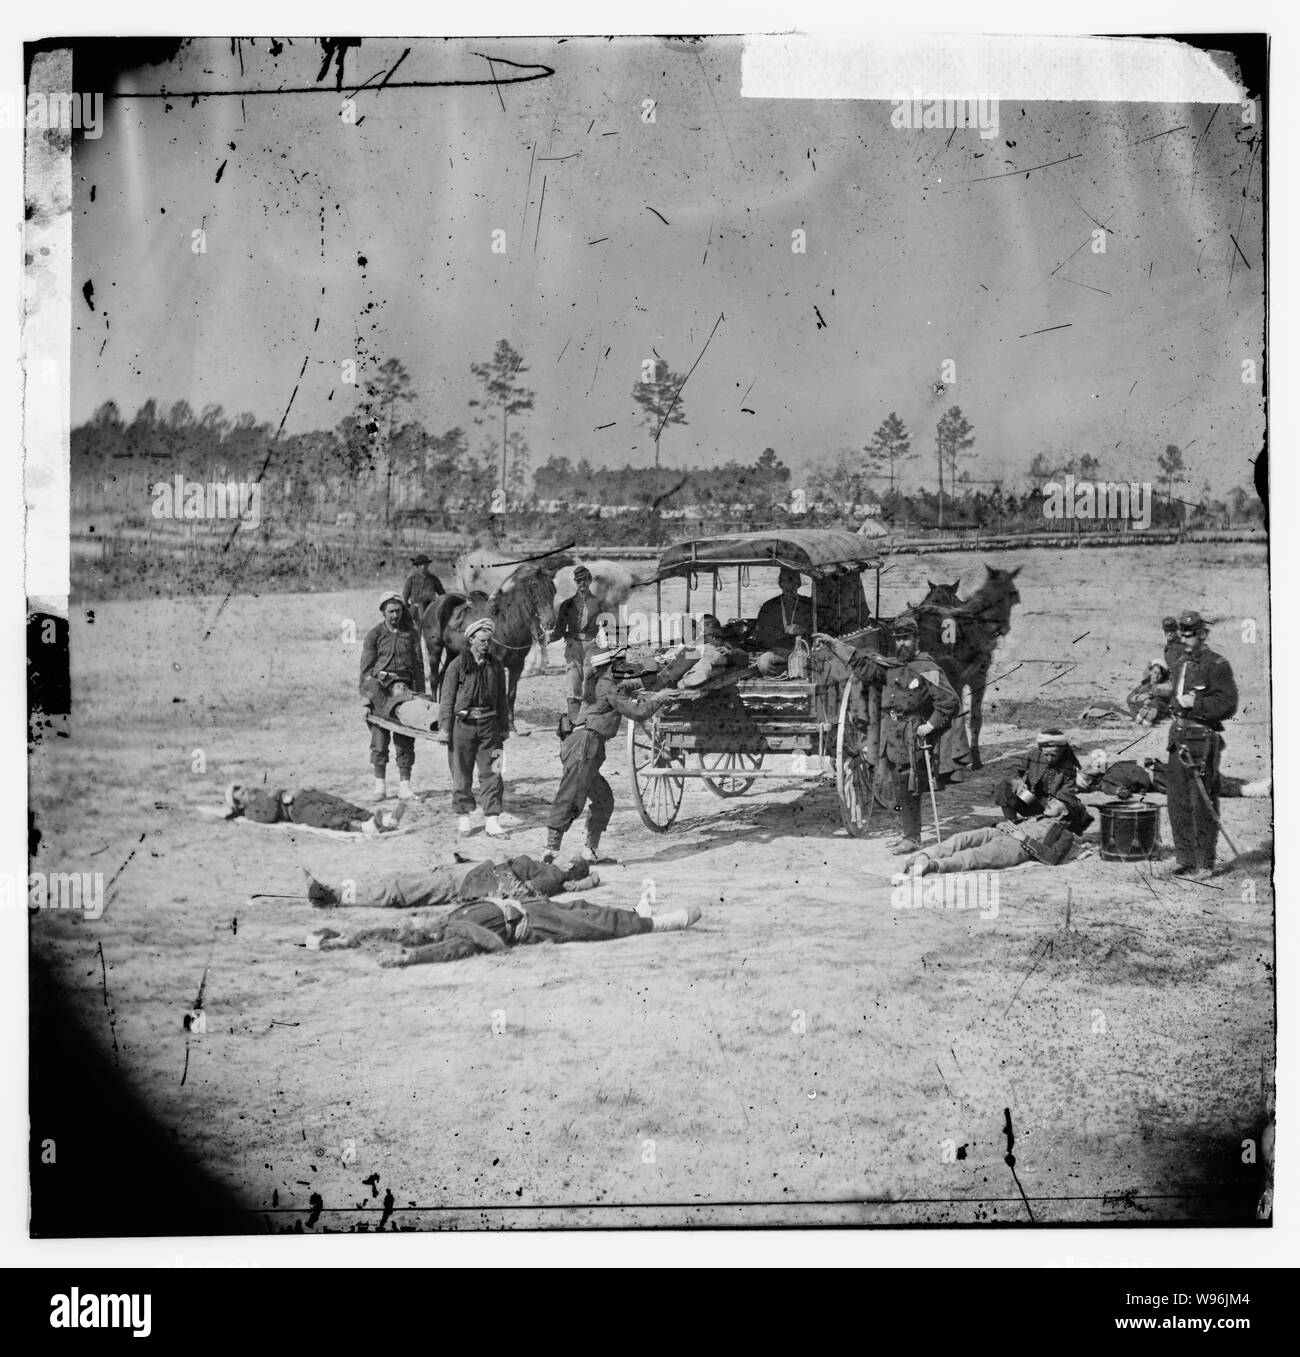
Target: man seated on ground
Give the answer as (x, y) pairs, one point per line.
(1149, 701)
(454, 882)
(1045, 783)
(318, 810)
(781, 621)
(398, 701)
(496, 923)
(1042, 839)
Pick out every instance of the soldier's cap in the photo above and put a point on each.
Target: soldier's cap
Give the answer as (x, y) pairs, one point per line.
(1169, 623)
(582, 575)
(1192, 621)
(600, 658)
(1050, 736)
(421, 559)
(481, 624)
(906, 625)
(391, 596)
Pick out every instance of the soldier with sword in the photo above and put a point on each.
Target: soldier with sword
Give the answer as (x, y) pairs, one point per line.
(1205, 696)
(916, 703)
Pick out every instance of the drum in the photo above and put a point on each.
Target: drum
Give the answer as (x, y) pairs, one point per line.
(1130, 831)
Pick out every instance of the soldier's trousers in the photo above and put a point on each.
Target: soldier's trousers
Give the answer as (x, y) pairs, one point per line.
(379, 741)
(580, 781)
(475, 743)
(908, 803)
(1194, 829)
(989, 849)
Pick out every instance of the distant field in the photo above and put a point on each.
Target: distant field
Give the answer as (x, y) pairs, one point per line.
(810, 1053)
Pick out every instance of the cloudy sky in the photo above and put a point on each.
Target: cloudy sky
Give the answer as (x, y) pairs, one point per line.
(328, 241)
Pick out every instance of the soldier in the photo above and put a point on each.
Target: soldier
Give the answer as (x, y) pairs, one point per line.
(474, 722)
(391, 654)
(1045, 778)
(1205, 696)
(577, 623)
(599, 717)
(422, 587)
(916, 702)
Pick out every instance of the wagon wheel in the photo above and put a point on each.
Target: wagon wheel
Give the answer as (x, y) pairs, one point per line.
(658, 799)
(730, 768)
(858, 782)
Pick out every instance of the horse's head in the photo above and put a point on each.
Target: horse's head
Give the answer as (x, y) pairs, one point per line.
(993, 601)
(525, 600)
(942, 595)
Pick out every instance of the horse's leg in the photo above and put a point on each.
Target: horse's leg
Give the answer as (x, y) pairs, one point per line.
(512, 687)
(977, 682)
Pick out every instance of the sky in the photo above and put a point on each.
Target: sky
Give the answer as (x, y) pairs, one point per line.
(328, 240)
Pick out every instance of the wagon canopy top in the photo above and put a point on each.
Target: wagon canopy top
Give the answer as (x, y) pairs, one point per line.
(811, 551)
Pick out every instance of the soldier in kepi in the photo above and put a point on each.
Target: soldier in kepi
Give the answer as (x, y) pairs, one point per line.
(577, 623)
(917, 703)
(1205, 696)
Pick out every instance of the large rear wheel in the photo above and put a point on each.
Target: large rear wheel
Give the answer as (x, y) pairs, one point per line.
(729, 771)
(860, 785)
(658, 795)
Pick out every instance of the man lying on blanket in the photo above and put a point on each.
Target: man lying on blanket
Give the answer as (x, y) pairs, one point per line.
(316, 810)
(453, 883)
(495, 923)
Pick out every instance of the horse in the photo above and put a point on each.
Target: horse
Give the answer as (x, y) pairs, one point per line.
(523, 602)
(962, 635)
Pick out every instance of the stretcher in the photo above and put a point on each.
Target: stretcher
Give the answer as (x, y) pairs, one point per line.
(398, 729)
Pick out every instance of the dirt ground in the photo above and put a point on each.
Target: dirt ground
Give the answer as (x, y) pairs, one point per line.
(811, 1052)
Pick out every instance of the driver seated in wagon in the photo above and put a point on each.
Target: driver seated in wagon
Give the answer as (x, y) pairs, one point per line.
(782, 621)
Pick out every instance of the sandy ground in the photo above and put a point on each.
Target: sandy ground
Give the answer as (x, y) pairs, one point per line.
(811, 1052)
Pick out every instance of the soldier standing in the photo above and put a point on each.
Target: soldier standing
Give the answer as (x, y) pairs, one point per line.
(391, 655)
(1205, 696)
(474, 723)
(917, 701)
(577, 623)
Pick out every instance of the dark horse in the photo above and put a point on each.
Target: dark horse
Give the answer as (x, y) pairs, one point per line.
(963, 634)
(525, 601)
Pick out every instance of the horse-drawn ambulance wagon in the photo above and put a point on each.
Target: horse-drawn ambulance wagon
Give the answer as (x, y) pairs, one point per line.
(810, 722)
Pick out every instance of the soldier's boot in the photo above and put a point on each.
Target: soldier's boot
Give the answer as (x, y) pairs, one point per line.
(677, 918)
(380, 791)
(404, 790)
(554, 837)
(464, 826)
(494, 829)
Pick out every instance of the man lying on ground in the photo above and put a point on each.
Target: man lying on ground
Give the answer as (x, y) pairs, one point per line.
(1042, 839)
(453, 883)
(497, 923)
(307, 806)
(1128, 777)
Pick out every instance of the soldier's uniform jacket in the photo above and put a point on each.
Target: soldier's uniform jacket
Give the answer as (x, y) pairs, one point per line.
(393, 651)
(473, 687)
(569, 621)
(1208, 678)
(420, 590)
(603, 714)
(1048, 780)
(914, 693)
